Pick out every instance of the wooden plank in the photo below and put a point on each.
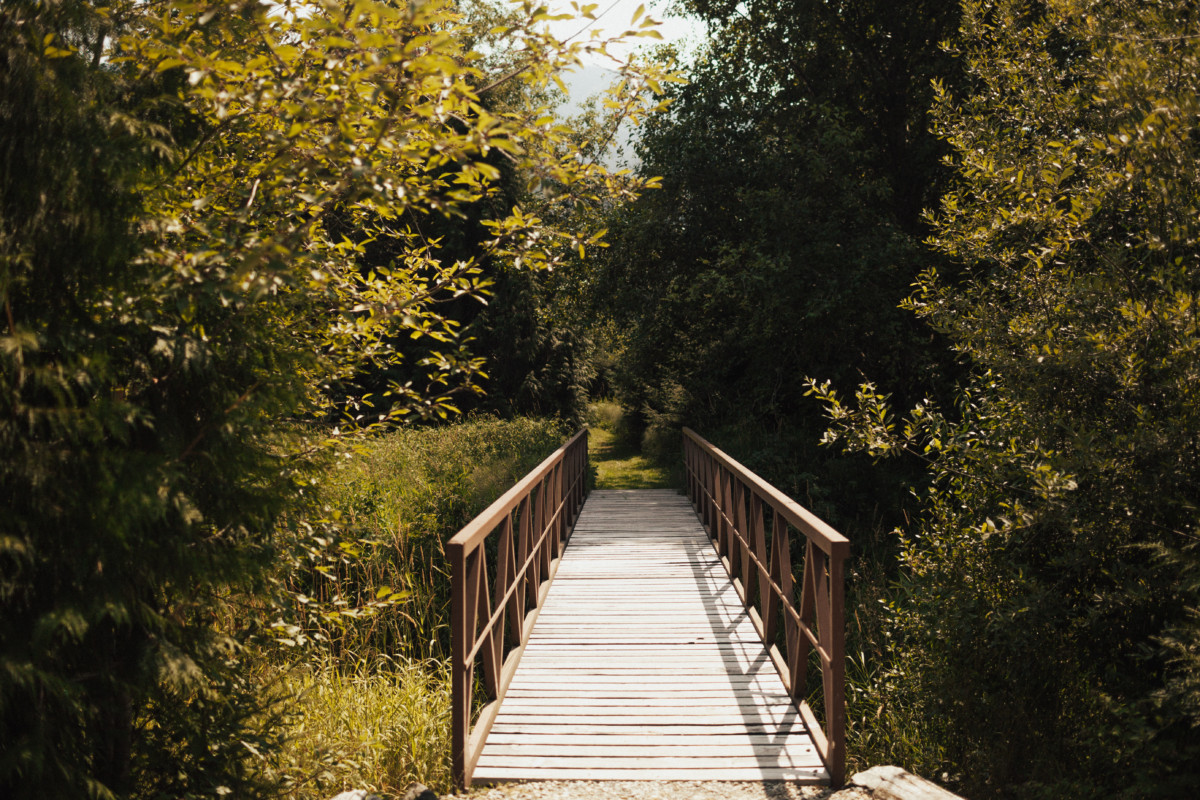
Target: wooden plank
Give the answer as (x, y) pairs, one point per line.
(686, 705)
(561, 691)
(727, 645)
(591, 728)
(696, 657)
(549, 688)
(729, 718)
(645, 665)
(681, 712)
(739, 626)
(696, 773)
(810, 761)
(705, 738)
(507, 754)
(663, 652)
(582, 668)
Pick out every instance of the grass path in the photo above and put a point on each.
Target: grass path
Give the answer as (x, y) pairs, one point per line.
(622, 466)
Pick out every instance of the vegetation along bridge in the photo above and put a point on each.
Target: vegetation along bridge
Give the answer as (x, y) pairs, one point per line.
(647, 635)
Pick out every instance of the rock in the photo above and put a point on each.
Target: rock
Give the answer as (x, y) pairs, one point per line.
(893, 783)
(357, 794)
(419, 791)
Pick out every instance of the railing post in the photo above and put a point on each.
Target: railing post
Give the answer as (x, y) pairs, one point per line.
(713, 489)
(459, 668)
(835, 683)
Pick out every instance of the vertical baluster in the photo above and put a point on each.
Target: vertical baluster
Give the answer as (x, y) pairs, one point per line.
(551, 486)
(535, 561)
(542, 517)
(714, 469)
(781, 574)
(820, 591)
(758, 536)
(718, 492)
(689, 461)
(573, 484)
(525, 544)
(799, 669)
(522, 553)
(560, 510)
(506, 570)
(833, 640)
(725, 511)
(584, 462)
(745, 542)
(491, 642)
(709, 494)
(737, 528)
(689, 451)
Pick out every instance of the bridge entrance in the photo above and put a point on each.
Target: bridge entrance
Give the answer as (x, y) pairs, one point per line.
(644, 664)
(666, 636)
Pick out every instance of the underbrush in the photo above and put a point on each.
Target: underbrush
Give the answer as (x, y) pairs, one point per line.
(607, 415)
(371, 579)
(377, 727)
(360, 647)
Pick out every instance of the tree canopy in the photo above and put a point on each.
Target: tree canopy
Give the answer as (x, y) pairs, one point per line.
(1047, 630)
(794, 165)
(190, 199)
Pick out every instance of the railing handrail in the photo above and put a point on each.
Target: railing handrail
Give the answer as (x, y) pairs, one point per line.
(547, 501)
(813, 526)
(474, 532)
(719, 488)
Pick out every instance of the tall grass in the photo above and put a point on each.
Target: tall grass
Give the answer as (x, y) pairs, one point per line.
(378, 727)
(393, 506)
(364, 677)
(606, 415)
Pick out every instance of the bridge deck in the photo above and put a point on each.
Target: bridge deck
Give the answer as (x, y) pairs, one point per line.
(644, 665)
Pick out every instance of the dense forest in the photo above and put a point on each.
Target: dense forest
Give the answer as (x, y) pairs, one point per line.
(292, 291)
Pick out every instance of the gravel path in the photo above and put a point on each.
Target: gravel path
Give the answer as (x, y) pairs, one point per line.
(658, 790)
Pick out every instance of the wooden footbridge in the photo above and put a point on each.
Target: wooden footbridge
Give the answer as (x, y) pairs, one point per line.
(645, 635)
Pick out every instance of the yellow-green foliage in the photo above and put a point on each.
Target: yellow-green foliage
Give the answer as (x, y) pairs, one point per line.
(394, 504)
(604, 414)
(378, 729)
(214, 222)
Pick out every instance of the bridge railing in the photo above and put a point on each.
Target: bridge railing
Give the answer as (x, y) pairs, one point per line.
(751, 524)
(514, 546)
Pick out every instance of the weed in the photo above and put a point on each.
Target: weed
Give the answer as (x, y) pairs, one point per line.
(392, 508)
(604, 415)
(379, 727)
